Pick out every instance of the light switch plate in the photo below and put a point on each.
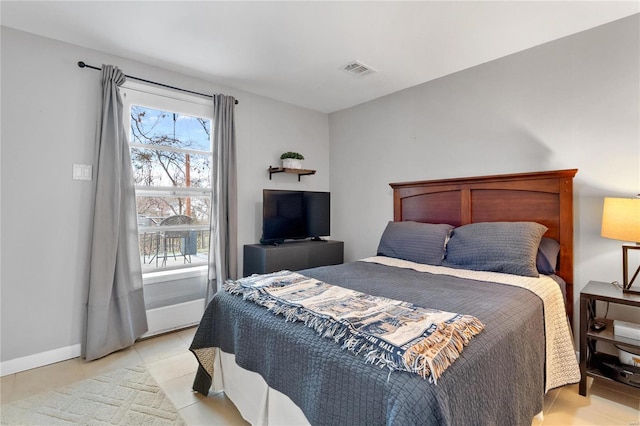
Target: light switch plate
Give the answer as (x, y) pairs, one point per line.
(82, 171)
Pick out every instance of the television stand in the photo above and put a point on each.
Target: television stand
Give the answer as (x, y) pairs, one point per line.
(291, 255)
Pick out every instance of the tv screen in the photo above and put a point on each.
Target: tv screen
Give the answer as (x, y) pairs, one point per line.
(288, 215)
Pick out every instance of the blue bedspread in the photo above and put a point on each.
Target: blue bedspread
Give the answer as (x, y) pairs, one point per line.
(498, 379)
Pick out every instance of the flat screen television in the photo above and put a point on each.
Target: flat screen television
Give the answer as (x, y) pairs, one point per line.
(294, 215)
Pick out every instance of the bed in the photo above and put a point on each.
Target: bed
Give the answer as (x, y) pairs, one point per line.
(279, 372)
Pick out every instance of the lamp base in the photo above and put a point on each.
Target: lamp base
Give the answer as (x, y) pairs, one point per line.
(626, 283)
(630, 291)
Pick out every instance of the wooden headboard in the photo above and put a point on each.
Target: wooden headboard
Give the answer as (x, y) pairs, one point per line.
(543, 197)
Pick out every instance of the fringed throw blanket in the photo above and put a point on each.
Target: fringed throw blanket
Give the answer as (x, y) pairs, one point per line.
(388, 332)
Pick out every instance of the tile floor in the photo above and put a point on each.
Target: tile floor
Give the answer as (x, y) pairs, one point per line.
(168, 359)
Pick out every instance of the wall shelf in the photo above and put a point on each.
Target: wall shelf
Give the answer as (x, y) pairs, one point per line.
(299, 172)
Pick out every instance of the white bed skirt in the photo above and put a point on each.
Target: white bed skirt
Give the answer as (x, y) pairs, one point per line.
(257, 402)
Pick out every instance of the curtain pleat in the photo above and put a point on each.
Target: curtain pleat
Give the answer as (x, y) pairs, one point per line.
(116, 314)
(223, 257)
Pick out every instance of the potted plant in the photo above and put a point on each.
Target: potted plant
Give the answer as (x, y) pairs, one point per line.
(292, 160)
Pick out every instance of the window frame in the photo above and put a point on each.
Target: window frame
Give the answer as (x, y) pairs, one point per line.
(139, 94)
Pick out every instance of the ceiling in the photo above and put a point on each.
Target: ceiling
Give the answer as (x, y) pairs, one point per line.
(295, 51)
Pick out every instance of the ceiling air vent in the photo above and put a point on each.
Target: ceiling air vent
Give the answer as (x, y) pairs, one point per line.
(358, 69)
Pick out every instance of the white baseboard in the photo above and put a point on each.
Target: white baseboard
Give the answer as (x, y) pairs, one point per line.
(38, 360)
(168, 318)
(160, 320)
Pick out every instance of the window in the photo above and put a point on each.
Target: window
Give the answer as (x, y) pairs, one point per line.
(170, 142)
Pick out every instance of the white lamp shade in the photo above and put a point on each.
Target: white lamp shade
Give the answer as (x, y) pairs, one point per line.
(621, 219)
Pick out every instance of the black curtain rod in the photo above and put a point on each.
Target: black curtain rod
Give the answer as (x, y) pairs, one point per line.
(83, 65)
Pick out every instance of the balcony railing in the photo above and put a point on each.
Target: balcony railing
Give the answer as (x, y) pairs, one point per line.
(173, 248)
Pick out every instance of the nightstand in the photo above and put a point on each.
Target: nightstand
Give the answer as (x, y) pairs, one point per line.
(589, 357)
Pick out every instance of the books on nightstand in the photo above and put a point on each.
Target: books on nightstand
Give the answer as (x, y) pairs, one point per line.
(630, 330)
(627, 355)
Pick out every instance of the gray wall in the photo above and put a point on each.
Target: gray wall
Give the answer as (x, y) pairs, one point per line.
(49, 111)
(571, 103)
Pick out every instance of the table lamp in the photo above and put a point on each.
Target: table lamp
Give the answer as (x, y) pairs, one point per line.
(621, 221)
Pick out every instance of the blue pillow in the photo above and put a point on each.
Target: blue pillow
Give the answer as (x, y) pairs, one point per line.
(547, 257)
(415, 241)
(507, 247)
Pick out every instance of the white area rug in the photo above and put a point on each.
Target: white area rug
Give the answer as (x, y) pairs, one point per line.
(128, 396)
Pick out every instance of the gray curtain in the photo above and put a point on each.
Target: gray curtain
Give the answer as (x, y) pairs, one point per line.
(223, 248)
(116, 314)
